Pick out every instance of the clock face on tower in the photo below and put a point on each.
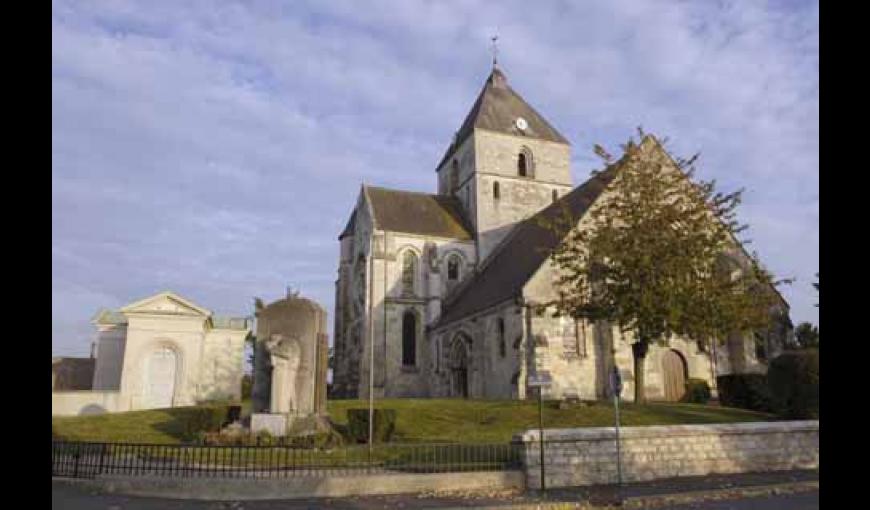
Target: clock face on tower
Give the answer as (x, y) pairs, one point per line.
(521, 124)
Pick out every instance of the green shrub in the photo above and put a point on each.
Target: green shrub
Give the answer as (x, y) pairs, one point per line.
(794, 384)
(196, 420)
(358, 425)
(247, 386)
(745, 391)
(697, 392)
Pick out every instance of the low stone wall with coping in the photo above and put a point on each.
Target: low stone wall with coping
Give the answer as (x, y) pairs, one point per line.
(574, 457)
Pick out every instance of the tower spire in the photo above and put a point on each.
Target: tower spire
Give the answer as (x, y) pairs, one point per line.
(494, 40)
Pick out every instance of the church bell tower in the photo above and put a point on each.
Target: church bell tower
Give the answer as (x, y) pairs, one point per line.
(505, 163)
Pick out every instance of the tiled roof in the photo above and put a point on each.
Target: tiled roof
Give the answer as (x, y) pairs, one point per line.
(418, 213)
(521, 253)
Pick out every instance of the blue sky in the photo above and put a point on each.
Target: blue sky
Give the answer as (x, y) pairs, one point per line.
(216, 148)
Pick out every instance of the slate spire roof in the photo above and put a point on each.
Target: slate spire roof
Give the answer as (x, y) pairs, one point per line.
(497, 108)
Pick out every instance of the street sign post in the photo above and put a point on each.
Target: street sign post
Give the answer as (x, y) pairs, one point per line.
(616, 389)
(541, 380)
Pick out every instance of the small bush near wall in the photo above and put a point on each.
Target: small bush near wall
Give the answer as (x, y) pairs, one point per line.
(358, 425)
(247, 386)
(745, 391)
(794, 384)
(197, 420)
(697, 391)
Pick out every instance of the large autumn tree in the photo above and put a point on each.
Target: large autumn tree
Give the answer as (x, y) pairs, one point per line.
(657, 255)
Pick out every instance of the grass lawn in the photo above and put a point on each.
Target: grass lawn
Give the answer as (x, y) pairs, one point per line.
(422, 420)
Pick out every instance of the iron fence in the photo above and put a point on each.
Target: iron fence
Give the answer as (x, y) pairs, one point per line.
(87, 460)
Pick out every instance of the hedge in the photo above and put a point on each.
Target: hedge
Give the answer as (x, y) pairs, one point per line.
(358, 425)
(195, 421)
(745, 391)
(794, 383)
(697, 392)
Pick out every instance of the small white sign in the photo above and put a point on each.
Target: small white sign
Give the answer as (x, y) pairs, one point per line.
(540, 379)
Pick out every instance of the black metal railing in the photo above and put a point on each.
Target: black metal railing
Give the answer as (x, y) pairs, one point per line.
(87, 460)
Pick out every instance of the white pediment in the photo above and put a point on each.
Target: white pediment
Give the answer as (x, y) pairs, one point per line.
(166, 303)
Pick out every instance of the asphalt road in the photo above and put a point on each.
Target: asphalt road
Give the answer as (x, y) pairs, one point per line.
(71, 497)
(797, 501)
(68, 496)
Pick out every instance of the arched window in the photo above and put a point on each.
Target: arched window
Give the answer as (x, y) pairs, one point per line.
(454, 177)
(409, 272)
(495, 191)
(502, 346)
(453, 268)
(409, 339)
(525, 163)
(760, 347)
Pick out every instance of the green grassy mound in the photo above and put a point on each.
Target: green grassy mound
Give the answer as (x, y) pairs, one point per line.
(420, 420)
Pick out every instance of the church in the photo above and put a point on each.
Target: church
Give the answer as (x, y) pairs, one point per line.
(437, 294)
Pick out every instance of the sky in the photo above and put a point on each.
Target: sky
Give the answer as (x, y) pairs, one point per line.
(216, 149)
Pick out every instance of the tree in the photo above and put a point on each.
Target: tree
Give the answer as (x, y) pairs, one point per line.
(657, 255)
(806, 336)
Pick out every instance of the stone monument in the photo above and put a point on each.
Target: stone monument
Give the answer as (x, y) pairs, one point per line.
(290, 358)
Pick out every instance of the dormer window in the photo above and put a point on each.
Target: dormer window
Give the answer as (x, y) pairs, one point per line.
(525, 163)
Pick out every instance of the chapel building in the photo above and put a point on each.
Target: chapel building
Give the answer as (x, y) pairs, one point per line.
(438, 292)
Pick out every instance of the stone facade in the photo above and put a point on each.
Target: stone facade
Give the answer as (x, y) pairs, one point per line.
(162, 351)
(475, 329)
(575, 457)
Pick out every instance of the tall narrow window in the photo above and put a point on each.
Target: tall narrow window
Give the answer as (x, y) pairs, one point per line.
(580, 332)
(496, 193)
(760, 347)
(502, 346)
(453, 268)
(454, 177)
(555, 195)
(409, 273)
(409, 339)
(525, 163)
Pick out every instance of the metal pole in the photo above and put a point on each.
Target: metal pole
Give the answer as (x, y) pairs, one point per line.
(371, 279)
(618, 456)
(541, 433)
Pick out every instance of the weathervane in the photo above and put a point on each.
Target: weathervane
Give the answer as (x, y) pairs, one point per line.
(494, 51)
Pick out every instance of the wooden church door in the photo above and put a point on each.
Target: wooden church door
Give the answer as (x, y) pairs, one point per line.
(674, 375)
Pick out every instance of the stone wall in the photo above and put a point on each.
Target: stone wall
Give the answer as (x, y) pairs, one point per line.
(80, 403)
(519, 197)
(111, 341)
(71, 374)
(574, 457)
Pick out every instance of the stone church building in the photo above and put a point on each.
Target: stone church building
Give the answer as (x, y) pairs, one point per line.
(438, 292)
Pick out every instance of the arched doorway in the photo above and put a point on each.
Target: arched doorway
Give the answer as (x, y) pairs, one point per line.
(160, 377)
(674, 374)
(459, 366)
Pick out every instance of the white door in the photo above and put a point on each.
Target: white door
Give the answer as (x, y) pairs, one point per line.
(161, 378)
